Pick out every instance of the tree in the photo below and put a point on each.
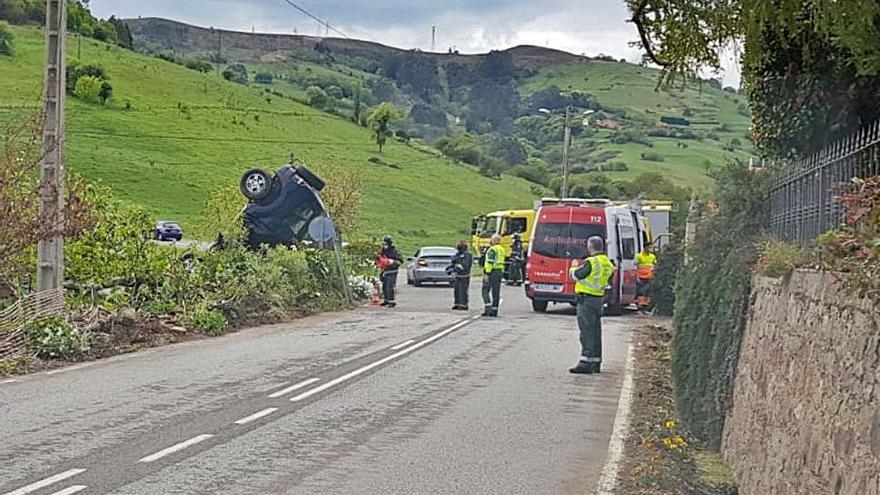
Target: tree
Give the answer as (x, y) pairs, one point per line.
(236, 73)
(106, 92)
(358, 105)
(380, 120)
(76, 70)
(202, 65)
(88, 89)
(317, 97)
(342, 197)
(105, 31)
(24, 224)
(6, 40)
(264, 78)
(426, 114)
(123, 33)
(809, 68)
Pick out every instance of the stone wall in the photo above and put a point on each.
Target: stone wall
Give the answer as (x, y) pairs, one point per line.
(805, 414)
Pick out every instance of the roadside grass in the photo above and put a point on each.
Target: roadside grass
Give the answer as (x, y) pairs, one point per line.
(659, 455)
(187, 133)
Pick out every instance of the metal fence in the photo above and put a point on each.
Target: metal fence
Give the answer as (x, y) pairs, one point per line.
(802, 197)
(14, 318)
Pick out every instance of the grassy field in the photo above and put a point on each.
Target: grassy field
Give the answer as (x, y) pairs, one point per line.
(633, 90)
(187, 133)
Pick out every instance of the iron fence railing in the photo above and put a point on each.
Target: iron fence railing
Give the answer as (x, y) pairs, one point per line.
(802, 196)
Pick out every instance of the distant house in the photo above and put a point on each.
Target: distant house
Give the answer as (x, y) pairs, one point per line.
(606, 124)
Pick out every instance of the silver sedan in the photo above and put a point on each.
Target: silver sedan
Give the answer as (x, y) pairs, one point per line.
(429, 265)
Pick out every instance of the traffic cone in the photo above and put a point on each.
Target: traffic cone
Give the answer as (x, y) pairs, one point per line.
(374, 301)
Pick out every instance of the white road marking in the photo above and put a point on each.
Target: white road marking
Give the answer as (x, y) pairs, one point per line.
(71, 490)
(608, 480)
(402, 345)
(256, 416)
(11, 380)
(360, 371)
(46, 482)
(71, 368)
(291, 388)
(175, 448)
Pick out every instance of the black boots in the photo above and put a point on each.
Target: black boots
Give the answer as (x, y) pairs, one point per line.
(583, 368)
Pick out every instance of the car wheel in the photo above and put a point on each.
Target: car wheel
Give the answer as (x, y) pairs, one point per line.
(310, 178)
(539, 306)
(256, 184)
(417, 283)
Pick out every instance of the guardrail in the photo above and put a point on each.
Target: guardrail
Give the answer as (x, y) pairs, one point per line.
(14, 318)
(802, 196)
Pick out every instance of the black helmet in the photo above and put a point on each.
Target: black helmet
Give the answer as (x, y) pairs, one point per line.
(387, 240)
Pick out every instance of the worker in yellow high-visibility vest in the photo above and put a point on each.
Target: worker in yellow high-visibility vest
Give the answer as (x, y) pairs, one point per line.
(645, 261)
(493, 275)
(592, 277)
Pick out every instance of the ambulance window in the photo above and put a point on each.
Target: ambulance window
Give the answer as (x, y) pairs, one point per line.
(516, 225)
(627, 243)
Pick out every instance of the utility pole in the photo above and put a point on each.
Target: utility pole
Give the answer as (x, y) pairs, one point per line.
(50, 252)
(566, 143)
(433, 39)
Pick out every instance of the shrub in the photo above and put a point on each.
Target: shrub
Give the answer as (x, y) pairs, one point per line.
(88, 89)
(236, 73)
(317, 97)
(712, 301)
(652, 156)
(52, 337)
(208, 320)
(264, 78)
(778, 259)
(106, 92)
(7, 40)
(662, 288)
(76, 71)
(204, 66)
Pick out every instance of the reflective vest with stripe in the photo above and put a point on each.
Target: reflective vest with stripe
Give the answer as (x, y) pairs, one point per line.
(601, 270)
(646, 262)
(494, 259)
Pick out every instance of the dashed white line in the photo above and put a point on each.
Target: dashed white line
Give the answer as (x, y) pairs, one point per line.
(176, 448)
(71, 490)
(402, 345)
(256, 416)
(11, 380)
(46, 482)
(619, 432)
(292, 388)
(360, 371)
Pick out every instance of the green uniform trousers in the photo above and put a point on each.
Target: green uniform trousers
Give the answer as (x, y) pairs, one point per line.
(589, 318)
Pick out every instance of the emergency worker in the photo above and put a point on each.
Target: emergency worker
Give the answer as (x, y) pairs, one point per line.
(592, 277)
(493, 275)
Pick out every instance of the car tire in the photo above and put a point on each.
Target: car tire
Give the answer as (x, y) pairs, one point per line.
(417, 283)
(310, 178)
(256, 184)
(539, 306)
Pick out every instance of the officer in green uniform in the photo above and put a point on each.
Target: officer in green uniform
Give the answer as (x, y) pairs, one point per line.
(592, 277)
(493, 275)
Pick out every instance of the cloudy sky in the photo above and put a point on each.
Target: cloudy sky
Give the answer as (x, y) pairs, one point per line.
(581, 26)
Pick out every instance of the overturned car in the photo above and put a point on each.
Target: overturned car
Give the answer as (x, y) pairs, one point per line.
(284, 207)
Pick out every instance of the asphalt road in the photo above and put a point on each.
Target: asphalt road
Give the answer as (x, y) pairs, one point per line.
(414, 400)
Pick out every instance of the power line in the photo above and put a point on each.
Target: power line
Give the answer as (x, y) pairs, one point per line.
(326, 24)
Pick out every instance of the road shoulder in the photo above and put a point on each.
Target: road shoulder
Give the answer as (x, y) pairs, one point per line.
(659, 456)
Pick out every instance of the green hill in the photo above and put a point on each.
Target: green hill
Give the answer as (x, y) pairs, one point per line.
(717, 117)
(170, 135)
(496, 97)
